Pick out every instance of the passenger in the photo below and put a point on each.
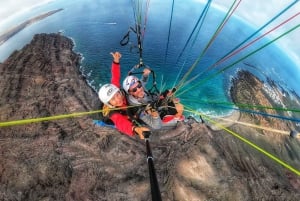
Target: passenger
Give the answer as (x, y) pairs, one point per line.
(115, 103)
(169, 108)
(142, 103)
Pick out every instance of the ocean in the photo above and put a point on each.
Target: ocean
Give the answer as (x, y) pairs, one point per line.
(97, 28)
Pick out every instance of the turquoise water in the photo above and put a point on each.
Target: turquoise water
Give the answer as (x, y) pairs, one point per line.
(98, 26)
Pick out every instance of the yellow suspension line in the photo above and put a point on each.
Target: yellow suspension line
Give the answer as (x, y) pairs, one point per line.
(257, 126)
(57, 117)
(271, 156)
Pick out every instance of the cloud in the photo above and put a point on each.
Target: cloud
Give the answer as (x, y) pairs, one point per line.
(258, 13)
(254, 12)
(9, 8)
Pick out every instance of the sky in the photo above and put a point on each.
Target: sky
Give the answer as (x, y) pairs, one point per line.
(9, 8)
(259, 12)
(255, 12)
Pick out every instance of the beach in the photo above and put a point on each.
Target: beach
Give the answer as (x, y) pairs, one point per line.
(218, 123)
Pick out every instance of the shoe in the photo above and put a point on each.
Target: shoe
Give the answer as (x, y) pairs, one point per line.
(168, 118)
(181, 118)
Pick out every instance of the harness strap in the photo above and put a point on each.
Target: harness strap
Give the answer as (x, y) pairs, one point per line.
(125, 39)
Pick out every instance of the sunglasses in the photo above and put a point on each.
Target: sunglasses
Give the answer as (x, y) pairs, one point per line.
(133, 90)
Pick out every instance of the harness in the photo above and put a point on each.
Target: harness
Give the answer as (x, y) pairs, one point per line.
(132, 113)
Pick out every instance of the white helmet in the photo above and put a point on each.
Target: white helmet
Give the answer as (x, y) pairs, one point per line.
(106, 92)
(129, 81)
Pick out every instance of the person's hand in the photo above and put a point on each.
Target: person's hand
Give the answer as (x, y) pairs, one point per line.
(139, 131)
(116, 56)
(146, 72)
(151, 111)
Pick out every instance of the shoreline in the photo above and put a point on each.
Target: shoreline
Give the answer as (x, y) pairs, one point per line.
(225, 121)
(10, 33)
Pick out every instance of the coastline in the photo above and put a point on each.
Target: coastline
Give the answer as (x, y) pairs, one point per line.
(225, 121)
(10, 33)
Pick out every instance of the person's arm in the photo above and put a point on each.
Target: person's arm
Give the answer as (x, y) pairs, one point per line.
(115, 69)
(152, 119)
(145, 77)
(115, 74)
(123, 124)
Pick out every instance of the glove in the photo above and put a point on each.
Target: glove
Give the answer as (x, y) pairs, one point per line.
(168, 92)
(148, 107)
(139, 131)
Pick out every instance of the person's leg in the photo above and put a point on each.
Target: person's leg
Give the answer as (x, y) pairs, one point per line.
(179, 108)
(153, 122)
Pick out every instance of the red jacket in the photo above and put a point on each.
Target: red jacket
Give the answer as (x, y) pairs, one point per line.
(122, 122)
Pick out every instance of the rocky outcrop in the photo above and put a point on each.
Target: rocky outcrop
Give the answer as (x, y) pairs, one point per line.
(250, 91)
(72, 159)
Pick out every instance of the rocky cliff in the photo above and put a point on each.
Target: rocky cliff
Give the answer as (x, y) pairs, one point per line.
(72, 159)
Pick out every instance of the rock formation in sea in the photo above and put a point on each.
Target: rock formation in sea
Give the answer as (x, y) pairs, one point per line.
(73, 159)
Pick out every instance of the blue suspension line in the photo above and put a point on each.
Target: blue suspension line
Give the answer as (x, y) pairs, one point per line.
(257, 31)
(171, 18)
(259, 113)
(190, 36)
(201, 19)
